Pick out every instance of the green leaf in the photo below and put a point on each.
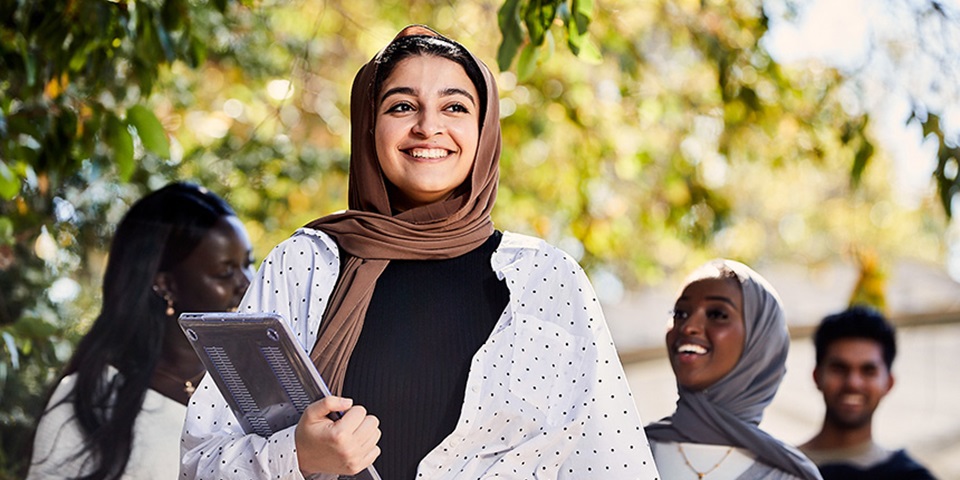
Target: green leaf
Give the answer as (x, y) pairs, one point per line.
(528, 61)
(28, 327)
(9, 182)
(12, 350)
(81, 55)
(120, 140)
(547, 51)
(6, 231)
(860, 160)
(582, 14)
(149, 130)
(538, 16)
(589, 52)
(532, 18)
(508, 17)
(30, 63)
(574, 38)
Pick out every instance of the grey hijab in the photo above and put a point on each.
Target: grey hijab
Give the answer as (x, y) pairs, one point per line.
(729, 411)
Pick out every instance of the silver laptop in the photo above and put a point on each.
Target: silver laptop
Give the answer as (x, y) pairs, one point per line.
(260, 369)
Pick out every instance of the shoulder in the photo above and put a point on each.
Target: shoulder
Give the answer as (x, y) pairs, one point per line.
(63, 393)
(305, 248)
(548, 286)
(308, 239)
(530, 254)
(59, 399)
(901, 462)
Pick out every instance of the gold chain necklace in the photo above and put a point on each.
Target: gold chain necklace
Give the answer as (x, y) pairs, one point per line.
(700, 474)
(189, 384)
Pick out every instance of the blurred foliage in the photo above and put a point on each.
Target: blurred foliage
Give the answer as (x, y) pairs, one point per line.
(947, 172)
(869, 289)
(537, 19)
(666, 137)
(911, 53)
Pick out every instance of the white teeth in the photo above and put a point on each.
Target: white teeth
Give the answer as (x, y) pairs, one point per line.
(691, 348)
(429, 152)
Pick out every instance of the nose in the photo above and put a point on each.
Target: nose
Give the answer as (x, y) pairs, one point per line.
(854, 380)
(243, 278)
(428, 124)
(694, 323)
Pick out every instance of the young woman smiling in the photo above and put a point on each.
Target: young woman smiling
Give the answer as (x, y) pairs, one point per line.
(727, 346)
(470, 353)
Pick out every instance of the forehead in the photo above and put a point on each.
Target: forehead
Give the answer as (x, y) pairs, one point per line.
(854, 351)
(713, 289)
(226, 231)
(425, 70)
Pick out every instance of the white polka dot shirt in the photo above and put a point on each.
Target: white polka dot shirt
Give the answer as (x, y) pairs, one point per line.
(546, 397)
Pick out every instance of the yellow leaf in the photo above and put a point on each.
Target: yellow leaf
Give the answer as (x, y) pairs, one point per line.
(52, 90)
(56, 86)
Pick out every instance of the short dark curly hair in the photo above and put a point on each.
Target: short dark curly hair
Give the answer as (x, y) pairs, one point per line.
(857, 322)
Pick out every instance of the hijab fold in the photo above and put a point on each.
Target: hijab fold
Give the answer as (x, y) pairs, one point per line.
(370, 233)
(729, 411)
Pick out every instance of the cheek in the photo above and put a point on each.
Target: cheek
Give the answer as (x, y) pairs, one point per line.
(469, 138)
(671, 334)
(880, 385)
(379, 141)
(385, 134)
(730, 341)
(207, 293)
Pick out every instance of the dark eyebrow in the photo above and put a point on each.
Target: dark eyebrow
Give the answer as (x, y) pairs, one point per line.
(723, 299)
(443, 93)
(397, 91)
(457, 91)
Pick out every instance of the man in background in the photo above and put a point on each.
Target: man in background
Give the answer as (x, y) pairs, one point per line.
(855, 351)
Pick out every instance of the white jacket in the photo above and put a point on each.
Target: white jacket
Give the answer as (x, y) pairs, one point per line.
(546, 397)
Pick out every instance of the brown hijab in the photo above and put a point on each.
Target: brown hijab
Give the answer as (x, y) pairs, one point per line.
(370, 234)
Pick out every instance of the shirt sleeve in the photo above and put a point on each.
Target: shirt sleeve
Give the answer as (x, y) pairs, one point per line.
(563, 377)
(601, 423)
(613, 434)
(58, 438)
(293, 281)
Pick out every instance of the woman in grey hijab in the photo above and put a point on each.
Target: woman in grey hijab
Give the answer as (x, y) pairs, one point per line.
(727, 346)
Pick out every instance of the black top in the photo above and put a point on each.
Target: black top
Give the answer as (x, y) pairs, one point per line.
(898, 467)
(426, 320)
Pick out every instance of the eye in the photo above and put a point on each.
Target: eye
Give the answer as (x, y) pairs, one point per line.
(458, 108)
(678, 315)
(837, 369)
(717, 314)
(400, 107)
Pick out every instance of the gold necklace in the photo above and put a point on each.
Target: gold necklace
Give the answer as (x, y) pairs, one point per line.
(700, 474)
(189, 384)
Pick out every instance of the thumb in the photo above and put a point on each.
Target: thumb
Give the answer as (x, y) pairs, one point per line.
(328, 405)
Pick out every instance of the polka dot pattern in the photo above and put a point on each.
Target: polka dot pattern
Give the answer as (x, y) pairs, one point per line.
(546, 396)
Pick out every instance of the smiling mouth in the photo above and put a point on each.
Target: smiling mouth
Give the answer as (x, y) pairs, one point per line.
(852, 400)
(691, 349)
(428, 153)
